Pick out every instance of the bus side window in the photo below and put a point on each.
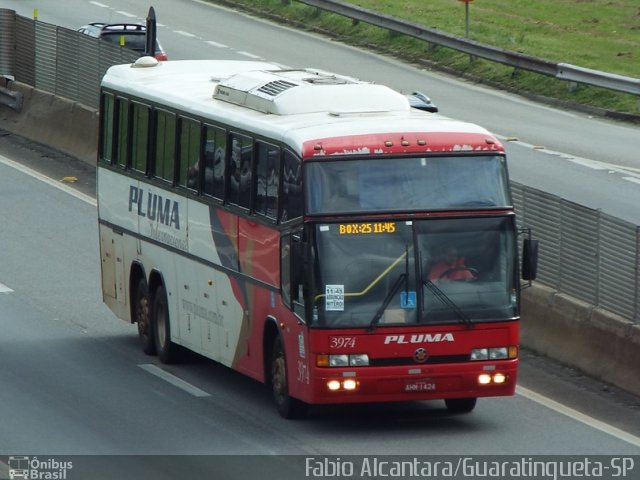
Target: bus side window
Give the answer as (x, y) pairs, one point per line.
(165, 145)
(107, 127)
(140, 137)
(267, 180)
(291, 187)
(122, 131)
(215, 147)
(240, 171)
(189, 153)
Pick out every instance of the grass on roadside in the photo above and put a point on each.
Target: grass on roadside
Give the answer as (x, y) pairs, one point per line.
(599, 34)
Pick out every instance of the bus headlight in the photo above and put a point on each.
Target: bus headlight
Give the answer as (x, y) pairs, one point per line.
(343, 385)
(349, 384)
(359, 360)
(342, 360)
(480, 354)
(494, 353)
(496, 378)
(333, 385)
(499, 378)
(498, 353)
(338, 360)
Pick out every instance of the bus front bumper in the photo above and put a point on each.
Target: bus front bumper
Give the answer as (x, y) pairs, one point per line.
(410, 383)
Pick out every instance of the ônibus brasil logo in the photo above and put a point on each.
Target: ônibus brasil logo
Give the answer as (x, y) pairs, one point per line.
(33, 468)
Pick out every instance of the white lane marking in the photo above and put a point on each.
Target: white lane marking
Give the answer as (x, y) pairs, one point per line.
(173, 380)
(184, 34)
(580, 417)
(4, 288)
(632, 179)
(216, 44)
(98, 4)
(585, 162)
(250, 55)
(47, 180)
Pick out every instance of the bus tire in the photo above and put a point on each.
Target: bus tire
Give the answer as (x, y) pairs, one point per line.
(142, 316)
(165, 348)
(460, 405)
(288, 407)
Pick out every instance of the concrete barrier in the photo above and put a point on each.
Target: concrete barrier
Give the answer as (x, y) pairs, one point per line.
(595, 341)
(62, 124)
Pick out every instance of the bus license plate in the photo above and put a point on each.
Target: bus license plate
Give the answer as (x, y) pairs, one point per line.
(420, 386)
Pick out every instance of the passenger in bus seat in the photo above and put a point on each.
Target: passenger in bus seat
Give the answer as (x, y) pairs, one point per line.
(451, 267)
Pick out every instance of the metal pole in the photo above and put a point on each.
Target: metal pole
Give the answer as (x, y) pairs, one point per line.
(466, 12)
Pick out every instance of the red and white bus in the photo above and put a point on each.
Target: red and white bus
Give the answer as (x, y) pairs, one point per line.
(288, 224)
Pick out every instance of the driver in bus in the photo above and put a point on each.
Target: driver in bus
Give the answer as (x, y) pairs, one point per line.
(451, 267)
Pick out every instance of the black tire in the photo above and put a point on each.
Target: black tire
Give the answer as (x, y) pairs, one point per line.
(288, 407)
(460, 405)
(142, 316)
(166, 349)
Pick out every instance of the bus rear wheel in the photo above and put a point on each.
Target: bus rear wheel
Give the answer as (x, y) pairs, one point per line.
(142, 316)
(166, 349)
(288, 407)
(460, 405)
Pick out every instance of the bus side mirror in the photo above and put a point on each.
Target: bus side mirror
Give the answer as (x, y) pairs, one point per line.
(529, 259)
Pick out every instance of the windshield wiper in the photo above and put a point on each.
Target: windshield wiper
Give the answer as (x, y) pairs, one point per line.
(443, 297)
(387, 300)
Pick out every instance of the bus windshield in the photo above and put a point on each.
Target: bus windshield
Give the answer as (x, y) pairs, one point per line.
(406, 183)
(381, 273)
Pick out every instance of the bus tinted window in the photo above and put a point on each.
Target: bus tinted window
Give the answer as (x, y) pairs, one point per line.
(396, 184)
(139, 137)
(291, 186)
(240, 171)
(267, 179)
(214, 155)
(165, 145)
(108, 108)
(189, 153)
(122, 135)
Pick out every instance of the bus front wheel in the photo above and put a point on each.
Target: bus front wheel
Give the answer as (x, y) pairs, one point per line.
(288, 407)
(165, 348)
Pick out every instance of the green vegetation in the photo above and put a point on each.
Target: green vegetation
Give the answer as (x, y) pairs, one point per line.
(598, 34)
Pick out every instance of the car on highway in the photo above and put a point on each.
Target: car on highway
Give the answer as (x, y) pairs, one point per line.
(420, 101)
(129, 35)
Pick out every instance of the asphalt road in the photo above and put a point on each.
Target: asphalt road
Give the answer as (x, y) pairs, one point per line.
(74, 380)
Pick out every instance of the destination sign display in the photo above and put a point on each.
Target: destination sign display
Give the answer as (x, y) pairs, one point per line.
(366, 228)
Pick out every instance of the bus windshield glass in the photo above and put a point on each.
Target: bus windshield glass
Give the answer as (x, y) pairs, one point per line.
(406, 183)
(383, 273)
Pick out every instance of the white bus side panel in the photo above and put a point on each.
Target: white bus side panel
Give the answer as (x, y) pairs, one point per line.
(176, 237)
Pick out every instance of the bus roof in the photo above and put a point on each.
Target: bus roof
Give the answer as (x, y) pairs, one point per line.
(313, 111)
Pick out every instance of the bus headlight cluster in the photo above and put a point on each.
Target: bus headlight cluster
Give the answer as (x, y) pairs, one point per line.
(495, 353)
(496, 378)
(347, 384)
(343, 360)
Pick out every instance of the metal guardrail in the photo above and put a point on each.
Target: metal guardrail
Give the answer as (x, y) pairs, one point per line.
(561, 71)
